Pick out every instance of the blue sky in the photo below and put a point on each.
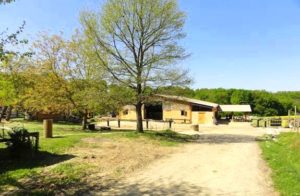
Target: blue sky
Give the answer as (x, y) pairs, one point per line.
(252, 44)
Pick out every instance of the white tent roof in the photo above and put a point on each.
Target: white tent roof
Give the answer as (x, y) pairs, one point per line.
(235, 108)
(189, 100)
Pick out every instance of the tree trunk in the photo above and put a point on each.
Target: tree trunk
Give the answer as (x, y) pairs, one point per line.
(139, 118)
(84, 120)
(8, 113)
(3, 112)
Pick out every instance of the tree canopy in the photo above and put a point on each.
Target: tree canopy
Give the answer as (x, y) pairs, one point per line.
(136, 42)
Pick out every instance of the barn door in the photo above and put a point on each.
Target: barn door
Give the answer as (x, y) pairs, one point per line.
(201, 117)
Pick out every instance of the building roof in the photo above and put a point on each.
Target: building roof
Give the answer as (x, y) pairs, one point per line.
(235, 108)
(189, 100)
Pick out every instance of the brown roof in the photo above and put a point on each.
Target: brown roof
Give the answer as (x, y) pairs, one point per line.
(189, 100)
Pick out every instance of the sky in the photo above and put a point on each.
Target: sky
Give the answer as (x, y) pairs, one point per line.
(249, 44)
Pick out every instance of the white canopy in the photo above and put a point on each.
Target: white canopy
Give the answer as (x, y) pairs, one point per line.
(235, 108)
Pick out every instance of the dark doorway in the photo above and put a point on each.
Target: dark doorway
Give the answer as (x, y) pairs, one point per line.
(154, 111)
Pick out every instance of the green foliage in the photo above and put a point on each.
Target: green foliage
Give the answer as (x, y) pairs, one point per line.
(241, 97)
(177, 90)
(266, 104)
(6, 1)
(263, 103)
(220, 96)
(283, 155)
(7, 91)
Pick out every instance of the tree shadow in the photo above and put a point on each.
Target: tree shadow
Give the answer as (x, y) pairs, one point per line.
(151, 188)
(30, 161)
(204, 138)
(57, 136)
(117, 188)
(223, 138)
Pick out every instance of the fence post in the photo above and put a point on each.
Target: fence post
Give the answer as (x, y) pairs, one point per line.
(108, 122)
(265, 123)
(37, 141)
(48, 125)
(170, 124)
(119, 123)
(147, 124)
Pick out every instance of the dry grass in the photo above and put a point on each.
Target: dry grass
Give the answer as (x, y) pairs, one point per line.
(98, 164)
(109, 158)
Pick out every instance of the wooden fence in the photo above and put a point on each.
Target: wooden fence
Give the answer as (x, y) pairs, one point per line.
(147, 124)
(293, 123)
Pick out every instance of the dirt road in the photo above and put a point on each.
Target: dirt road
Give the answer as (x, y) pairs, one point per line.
(218, 164)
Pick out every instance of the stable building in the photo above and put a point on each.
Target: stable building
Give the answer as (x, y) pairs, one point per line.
(180, 110)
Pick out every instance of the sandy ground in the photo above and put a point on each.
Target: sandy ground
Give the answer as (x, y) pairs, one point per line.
(222, 162)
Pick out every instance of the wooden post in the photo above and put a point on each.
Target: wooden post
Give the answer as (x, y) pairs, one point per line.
(48, 124)
(265, 123)
(119, 123)
(37, 141)
(170, 124)
(147, 124)
(108, 122)
(289, 119)
(295, 118)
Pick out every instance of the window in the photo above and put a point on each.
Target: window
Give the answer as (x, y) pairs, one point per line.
(125, 112)
(183, 113)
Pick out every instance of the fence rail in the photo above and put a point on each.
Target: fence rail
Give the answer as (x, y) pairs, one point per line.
(293, 123)
(147, 124)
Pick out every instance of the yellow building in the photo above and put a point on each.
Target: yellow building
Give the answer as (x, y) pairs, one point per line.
(175, 108)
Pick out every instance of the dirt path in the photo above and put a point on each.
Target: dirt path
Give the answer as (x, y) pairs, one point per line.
(218, 165)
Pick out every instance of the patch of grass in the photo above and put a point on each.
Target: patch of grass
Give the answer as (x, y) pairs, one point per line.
(52, 151)
(109, 155)
(59, 128)
(283, 156)
(61, 144)
(69, 172)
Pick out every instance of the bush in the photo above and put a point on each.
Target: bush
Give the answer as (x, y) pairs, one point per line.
(19, 141)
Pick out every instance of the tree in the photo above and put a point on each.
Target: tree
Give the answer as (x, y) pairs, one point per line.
(68, 78)
(177, 91)
(12, 82)
(219, 95)
(241, 97)
(136, 41)
(265, 104)
(6, 1)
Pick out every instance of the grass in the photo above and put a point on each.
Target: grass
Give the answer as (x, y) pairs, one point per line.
(68, 160)
(283, 156)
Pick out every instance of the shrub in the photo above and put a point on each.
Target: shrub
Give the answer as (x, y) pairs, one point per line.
(19, 141)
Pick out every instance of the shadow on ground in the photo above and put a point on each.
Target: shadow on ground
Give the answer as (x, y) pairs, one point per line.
(158, 188)
(226, 138)
(38, 159)
(203, 138)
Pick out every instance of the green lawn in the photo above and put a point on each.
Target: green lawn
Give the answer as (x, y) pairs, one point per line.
(56, 150)
(283, 156)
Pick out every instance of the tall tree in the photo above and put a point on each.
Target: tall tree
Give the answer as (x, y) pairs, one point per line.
(68, 78)
(140, 41)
